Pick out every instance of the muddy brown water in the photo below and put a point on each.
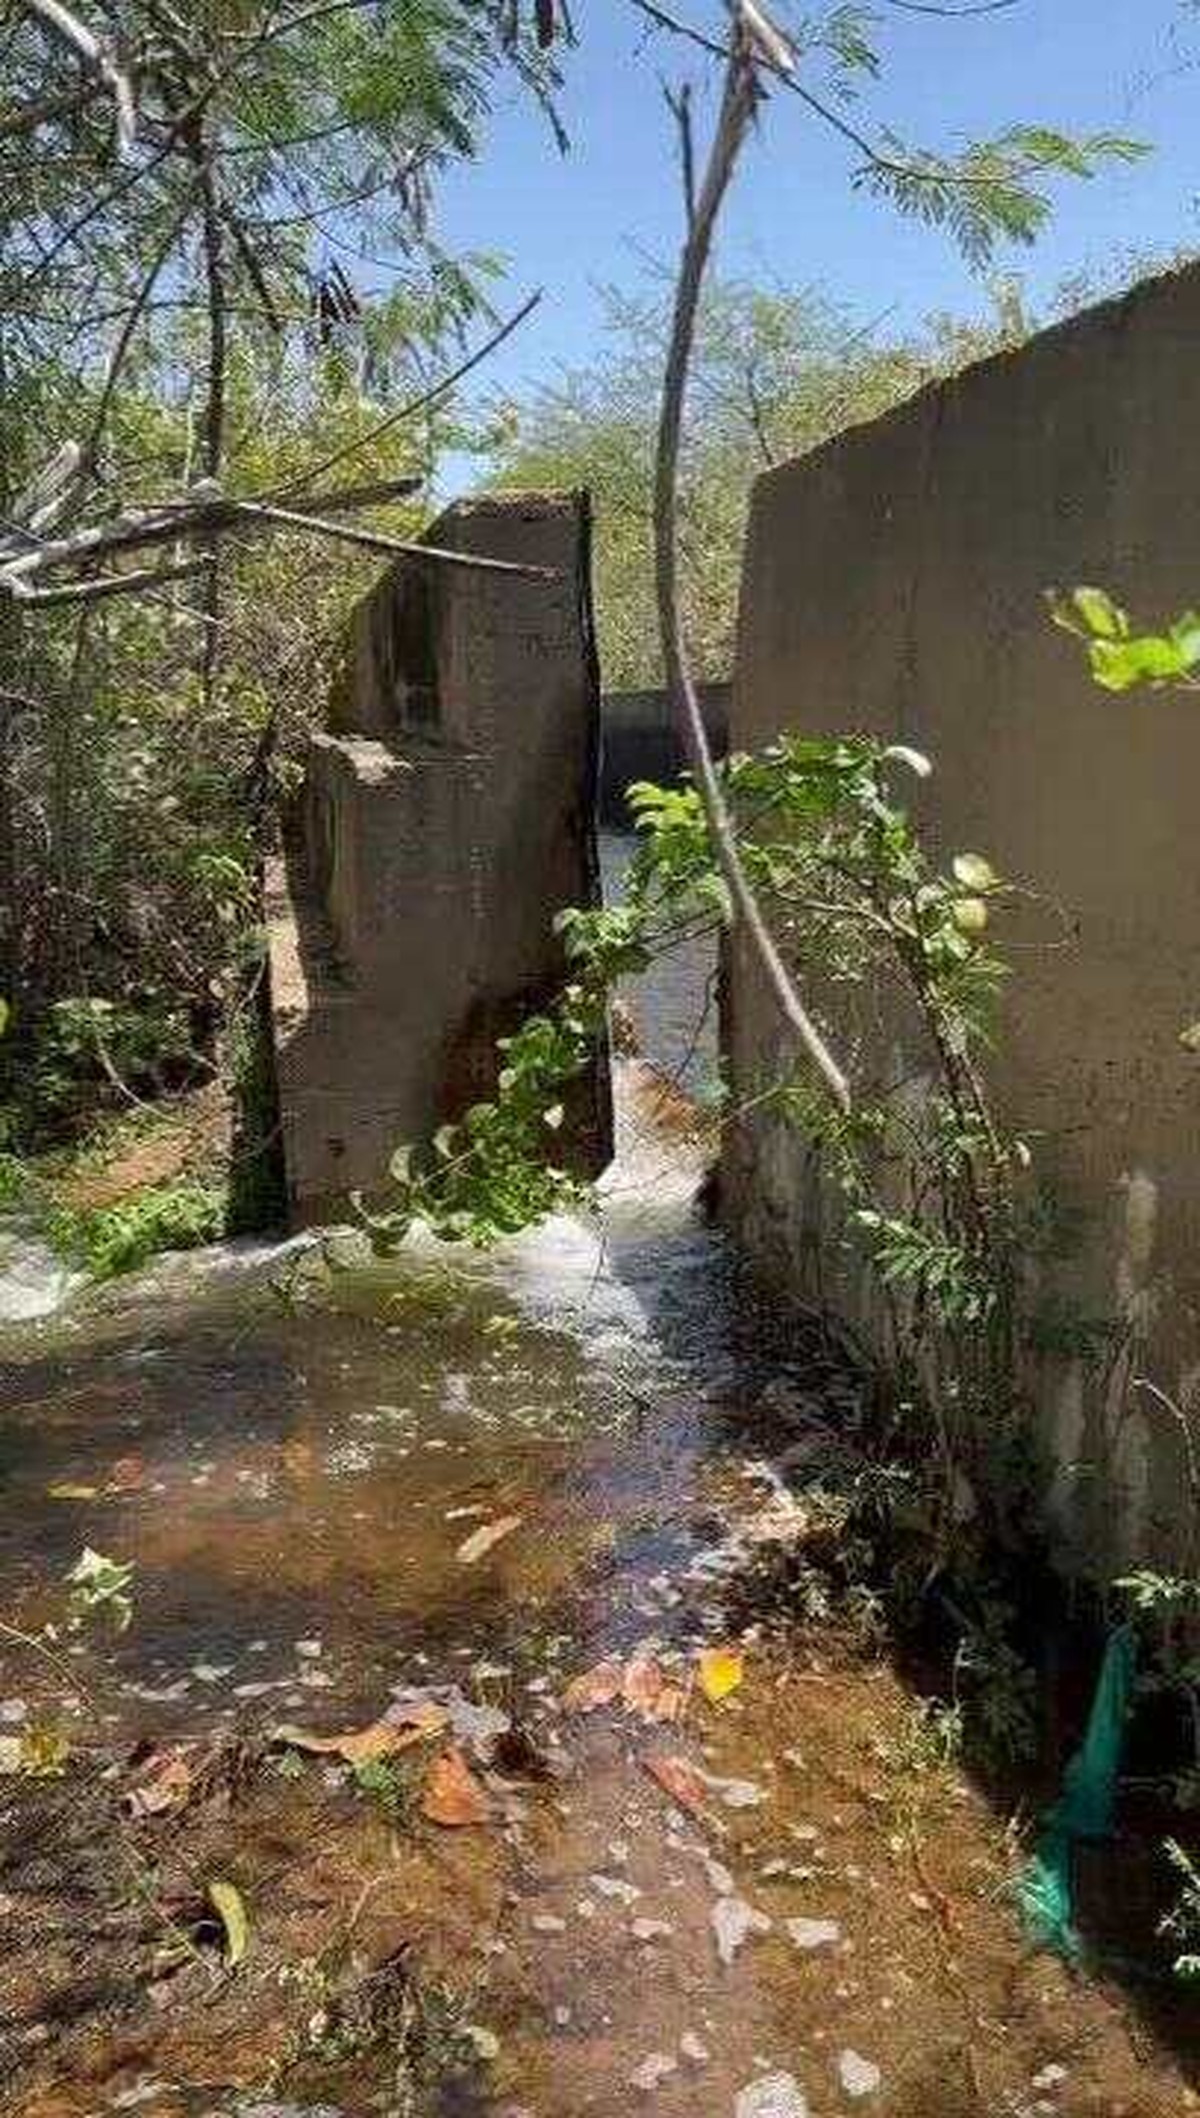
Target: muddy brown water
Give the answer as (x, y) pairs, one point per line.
(293, 1460)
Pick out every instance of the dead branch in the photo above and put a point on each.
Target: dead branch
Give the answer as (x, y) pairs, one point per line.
(97, 55)
(749, 45)
(204, 515)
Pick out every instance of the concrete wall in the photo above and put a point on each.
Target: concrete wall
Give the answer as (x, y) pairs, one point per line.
(893, 584)
(639, 741)
(446, 815)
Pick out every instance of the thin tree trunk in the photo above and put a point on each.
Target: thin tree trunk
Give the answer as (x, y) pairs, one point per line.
(738, 103)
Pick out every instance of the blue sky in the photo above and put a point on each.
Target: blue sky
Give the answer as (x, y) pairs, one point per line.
(1080, 65)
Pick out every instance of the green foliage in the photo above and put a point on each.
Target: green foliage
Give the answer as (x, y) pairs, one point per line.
(110, 1240)
(490, 1174)
(993, 191)
(100, 1587)
(1182, 1924)
(777, 371)
(1120, 659)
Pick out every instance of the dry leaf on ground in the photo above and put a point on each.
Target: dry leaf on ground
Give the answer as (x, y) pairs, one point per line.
(164, 1783)
(480, 1541)
(358, 1746)
(593, 1688)
(127, 1475)
(647, 1690)
(721, 1670)
(453, 1796)
(680, 1779)
(227, 1902)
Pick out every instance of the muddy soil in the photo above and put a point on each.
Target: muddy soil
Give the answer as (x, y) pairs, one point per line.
(436, 1496)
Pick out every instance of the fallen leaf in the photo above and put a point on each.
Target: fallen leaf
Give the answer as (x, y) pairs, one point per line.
(229, 1906)
(813, 1933)
(646, 1690)
(858, 2076)
(68, 1491)
(358, 1746)
(733, 1922)
(735, 1794)
(595, 1687)
(10, 1754)
(453, 1796)
(680, 1780)
(127, 1474)
(721, 1671)
(772, 2096)
(164, 1783)
(480, 1541)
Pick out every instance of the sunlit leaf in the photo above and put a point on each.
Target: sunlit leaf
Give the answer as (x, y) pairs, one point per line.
(228, 1904)
(721, 1670)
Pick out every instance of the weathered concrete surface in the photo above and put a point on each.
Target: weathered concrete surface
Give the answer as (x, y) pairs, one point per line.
(445, 817)
(894, 584)
(639, 741)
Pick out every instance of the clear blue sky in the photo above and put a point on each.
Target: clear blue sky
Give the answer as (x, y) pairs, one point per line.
(1080, 65)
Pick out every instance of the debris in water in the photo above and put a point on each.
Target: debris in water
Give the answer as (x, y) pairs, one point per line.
(1049, 2077)
(646, 1690)
(648, 1930)
(694, 2050)
(858, 2076)
(719, 1877)
(615, 1886)
(164, 1783)
(453, 1796)
(772, 2096)
(360, 1746)
(813, 1933)
(733, 1922)
(127, 1475)
(653, 2071)
(680, 1779)
(481, 1541)
(595, 1687)
(735, 1794)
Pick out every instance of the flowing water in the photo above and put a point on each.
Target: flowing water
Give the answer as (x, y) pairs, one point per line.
(298, 1462)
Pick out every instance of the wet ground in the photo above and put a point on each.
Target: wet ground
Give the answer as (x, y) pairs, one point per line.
(438, 1494)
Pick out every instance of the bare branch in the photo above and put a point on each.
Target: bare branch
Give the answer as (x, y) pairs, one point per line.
(99, 587)
(96, 54)
(738, 104)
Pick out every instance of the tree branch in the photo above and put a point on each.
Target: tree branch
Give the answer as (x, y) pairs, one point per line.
(738, 103)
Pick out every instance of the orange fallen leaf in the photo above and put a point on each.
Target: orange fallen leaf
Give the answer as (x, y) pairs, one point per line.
(646, 1690)
(680, 1780)
(453, 1796)
(382, 1739)
(127, 1474)
(480, 1541)
(593, 1688)
(164, 1783)
(721, 1671)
